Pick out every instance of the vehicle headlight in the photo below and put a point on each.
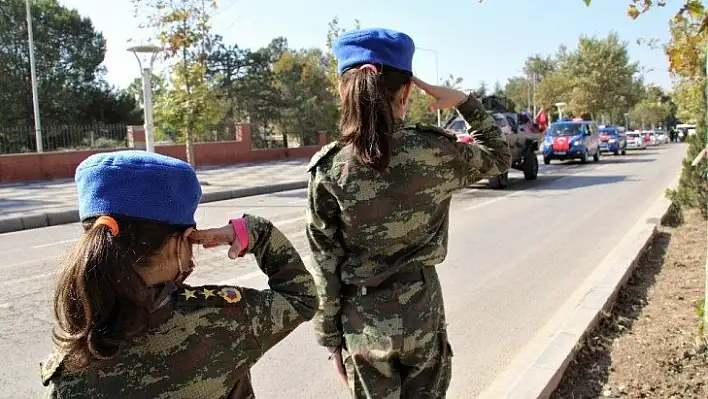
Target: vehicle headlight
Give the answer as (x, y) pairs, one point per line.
(578, 142)
(613, 140)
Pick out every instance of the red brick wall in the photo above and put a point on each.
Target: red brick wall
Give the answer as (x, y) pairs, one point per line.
(55, 165)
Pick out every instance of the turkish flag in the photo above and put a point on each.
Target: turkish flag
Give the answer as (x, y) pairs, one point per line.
(561, 143)
(541, 120)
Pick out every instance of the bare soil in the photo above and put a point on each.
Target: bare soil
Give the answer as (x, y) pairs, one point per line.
(649, 346)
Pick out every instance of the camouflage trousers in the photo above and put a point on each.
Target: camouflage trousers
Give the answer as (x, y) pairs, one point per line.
(396, 342)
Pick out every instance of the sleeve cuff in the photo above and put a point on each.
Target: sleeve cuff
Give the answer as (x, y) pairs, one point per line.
(330, 341)
(241, 233)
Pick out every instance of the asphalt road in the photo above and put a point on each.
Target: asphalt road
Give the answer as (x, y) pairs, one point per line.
(514, 256)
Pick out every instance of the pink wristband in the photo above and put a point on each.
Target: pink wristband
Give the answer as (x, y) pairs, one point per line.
(239, 226)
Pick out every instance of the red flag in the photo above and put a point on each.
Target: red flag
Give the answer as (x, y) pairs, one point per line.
(541, 120)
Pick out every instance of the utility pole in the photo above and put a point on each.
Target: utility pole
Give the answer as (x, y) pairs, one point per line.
(528, 93)
(33, 74)
(533, 99)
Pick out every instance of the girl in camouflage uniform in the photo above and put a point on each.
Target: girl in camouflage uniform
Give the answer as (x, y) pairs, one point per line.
(126, 324)
(378, 210)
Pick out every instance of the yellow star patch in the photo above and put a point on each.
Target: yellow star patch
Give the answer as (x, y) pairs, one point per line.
(230, 294)
(207, 293)
(188, 294)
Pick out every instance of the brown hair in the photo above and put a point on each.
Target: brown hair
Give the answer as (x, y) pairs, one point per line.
(100, 301)
(367, 119)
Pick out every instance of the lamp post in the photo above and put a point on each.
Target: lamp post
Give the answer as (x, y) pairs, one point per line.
(437, 76)
(560, 110)
(148, 53)
(626, 121)
(33, 76)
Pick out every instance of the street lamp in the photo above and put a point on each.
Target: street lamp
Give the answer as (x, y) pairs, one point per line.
(437, 76)
(626, 120)
(33, 76)
(560, 110)
(147, 53)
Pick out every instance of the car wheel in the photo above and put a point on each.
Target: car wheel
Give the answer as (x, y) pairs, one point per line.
(596, 157)
(499, 182)
(546, 161)
(530, 166)
(624, 152)
(584, 158)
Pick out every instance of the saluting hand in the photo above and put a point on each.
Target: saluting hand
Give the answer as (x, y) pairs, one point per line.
(210, 238)
(445, 97)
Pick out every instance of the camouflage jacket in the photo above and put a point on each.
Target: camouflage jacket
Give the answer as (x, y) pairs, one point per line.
(206, 338)
(364, 226)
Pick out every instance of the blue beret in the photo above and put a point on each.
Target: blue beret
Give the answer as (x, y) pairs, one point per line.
(138, 184)
(374, 46)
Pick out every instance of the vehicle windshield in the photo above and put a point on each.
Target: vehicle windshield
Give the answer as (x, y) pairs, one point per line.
(501, 122)
(608, 131)
(633, 135)
(565, 129)
(458, 127)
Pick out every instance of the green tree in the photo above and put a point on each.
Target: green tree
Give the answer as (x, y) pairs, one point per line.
(539, 66)
(246, 83)
(183, 29)
(135, 88)
(649, 112)
(602, 78)
(68, 54)
(481, 90)
(687, 52)
(687, 94)
(419, 108)
(498, 90)
(554, 89)
(516, 89)
(309, 105)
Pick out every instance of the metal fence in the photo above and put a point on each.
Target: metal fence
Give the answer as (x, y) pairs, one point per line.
(21, 139)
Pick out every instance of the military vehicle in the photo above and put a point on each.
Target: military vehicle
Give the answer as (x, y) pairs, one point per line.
(520, 132)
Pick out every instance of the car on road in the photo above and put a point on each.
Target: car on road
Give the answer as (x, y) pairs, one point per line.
(635, 141)
(662, 137)
(523, 147)
(612, 140)
(650, 138)
(568, 140)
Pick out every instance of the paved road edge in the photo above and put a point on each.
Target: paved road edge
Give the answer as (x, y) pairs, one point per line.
(538, 369)
(66, 216)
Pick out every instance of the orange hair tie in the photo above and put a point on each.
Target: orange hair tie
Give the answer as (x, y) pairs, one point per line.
(108, 222)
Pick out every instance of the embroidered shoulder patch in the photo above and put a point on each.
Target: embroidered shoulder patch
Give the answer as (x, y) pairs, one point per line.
(49, 366)
(208, 295)
(230, 294)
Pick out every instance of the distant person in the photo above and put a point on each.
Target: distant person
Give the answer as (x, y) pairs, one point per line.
(126, 324)
(378, 215)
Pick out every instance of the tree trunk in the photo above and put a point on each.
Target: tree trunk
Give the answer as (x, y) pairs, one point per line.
(189, 147)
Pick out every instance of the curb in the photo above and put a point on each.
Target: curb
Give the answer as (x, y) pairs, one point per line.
(66, 216)
(540, 366)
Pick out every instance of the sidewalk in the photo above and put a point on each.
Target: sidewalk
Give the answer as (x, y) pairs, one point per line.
(47, 203)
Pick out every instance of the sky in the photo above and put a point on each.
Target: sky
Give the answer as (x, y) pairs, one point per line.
(487, 41)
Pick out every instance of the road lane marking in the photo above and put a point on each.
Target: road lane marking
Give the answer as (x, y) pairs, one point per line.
(55, 243)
